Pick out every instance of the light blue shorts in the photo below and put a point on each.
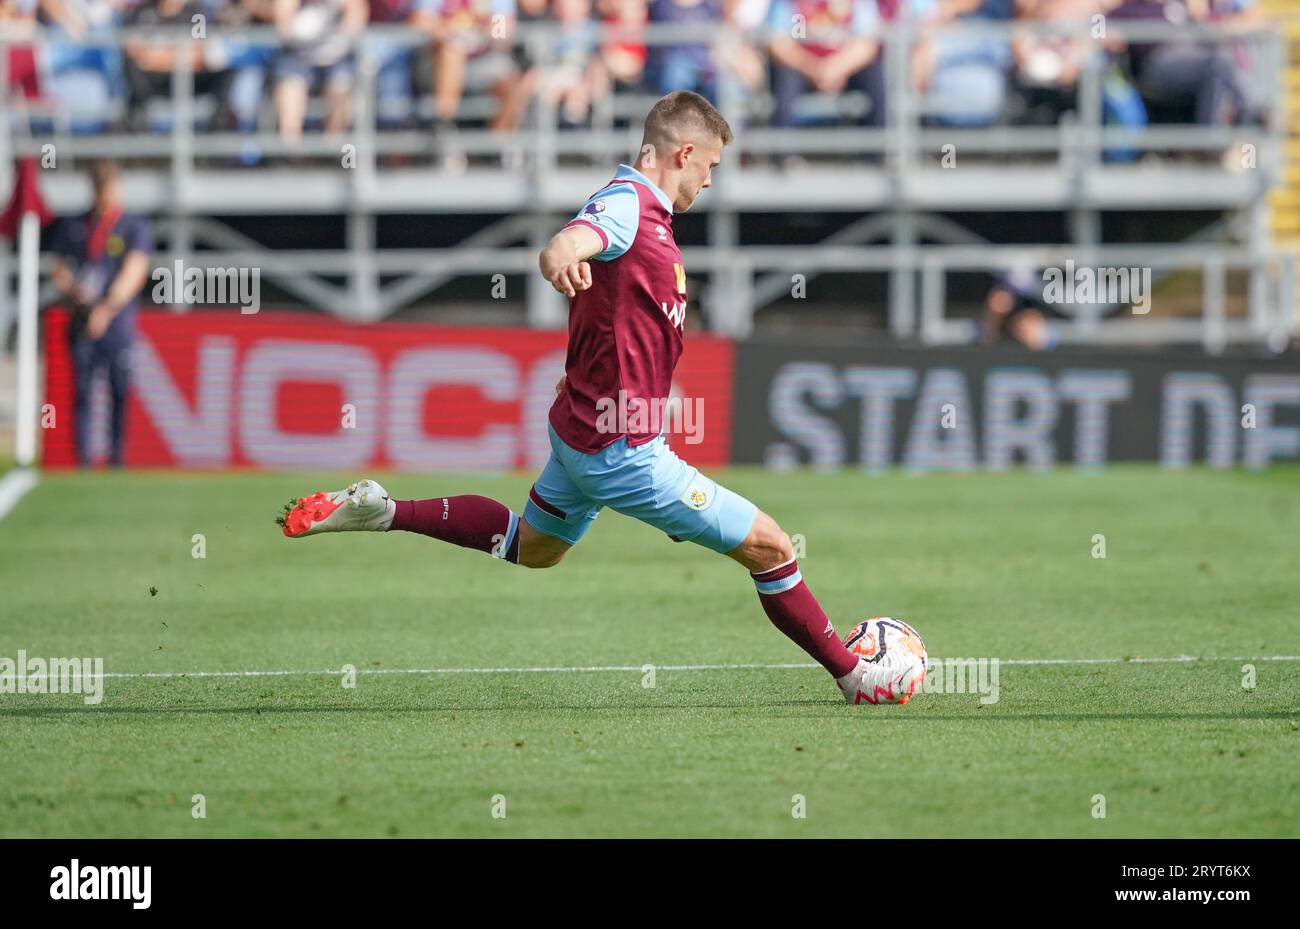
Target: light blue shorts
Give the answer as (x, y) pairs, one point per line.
(647, 482)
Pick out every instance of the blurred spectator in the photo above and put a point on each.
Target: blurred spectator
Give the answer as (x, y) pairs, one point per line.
(529, 11)
(826, 46)
(150, 61)
(1048, 65)
(1013, 310)
(685, 66)
(748, 15)
(1244, 16)
(84, 66)
(797, 49)
(247, 62)
(526, 13)
(625, 55)
(746, 60)
(1182, 78)
(963, 76)
(989, 9)
(1122, 106)
(18, 27)
(574, 74)
(474, 55)
(101, 263)
(395, 61)
(318, 37)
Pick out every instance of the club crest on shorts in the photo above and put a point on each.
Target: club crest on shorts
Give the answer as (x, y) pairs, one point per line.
(698, 495)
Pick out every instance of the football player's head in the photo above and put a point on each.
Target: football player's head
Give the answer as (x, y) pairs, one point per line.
(683, 142)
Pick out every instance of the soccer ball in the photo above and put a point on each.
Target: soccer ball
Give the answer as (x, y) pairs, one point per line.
(893, 645)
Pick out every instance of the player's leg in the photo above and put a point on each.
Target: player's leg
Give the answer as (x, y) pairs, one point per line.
(475, 522)
(466, 520)
(691, 507)
(556, 517)
(654, 485)
(539, 550)
(769, 555)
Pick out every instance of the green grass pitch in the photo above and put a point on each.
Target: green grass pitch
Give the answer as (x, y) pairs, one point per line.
(1198, 563)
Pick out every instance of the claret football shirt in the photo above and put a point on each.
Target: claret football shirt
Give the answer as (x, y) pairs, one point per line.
(625, 331)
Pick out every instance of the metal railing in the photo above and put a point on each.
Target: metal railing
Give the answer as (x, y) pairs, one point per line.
(1062, 167)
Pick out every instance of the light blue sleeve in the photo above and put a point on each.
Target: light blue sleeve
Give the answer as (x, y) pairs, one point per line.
(615, 212)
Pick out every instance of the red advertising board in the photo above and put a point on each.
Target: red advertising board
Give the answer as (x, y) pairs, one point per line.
(217, 389)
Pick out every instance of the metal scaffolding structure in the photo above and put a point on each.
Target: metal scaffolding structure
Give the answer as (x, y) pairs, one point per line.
(898, 179)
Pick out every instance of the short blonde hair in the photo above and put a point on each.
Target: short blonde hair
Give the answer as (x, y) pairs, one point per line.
(681, 115)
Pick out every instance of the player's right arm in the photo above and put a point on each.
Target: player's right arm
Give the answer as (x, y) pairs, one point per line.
(564, 261)
(603, 230)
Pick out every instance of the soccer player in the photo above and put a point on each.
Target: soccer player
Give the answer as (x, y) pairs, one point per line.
(619, 266)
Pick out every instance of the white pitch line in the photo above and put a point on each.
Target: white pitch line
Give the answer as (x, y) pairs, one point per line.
(14, 486)
(590, 669)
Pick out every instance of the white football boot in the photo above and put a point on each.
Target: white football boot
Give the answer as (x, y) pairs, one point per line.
(363, 506)
(878, 682)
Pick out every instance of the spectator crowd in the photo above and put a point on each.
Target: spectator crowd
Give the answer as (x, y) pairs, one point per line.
(800, 62)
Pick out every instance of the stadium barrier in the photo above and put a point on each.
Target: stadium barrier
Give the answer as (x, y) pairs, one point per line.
(217, 389)
(967, 408)
(290, 390)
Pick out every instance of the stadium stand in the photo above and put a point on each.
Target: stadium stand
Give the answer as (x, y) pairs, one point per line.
(437, 150)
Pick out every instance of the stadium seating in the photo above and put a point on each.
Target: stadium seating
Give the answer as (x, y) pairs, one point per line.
(877, 204)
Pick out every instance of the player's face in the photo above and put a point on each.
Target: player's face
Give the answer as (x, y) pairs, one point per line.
(698, 173)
